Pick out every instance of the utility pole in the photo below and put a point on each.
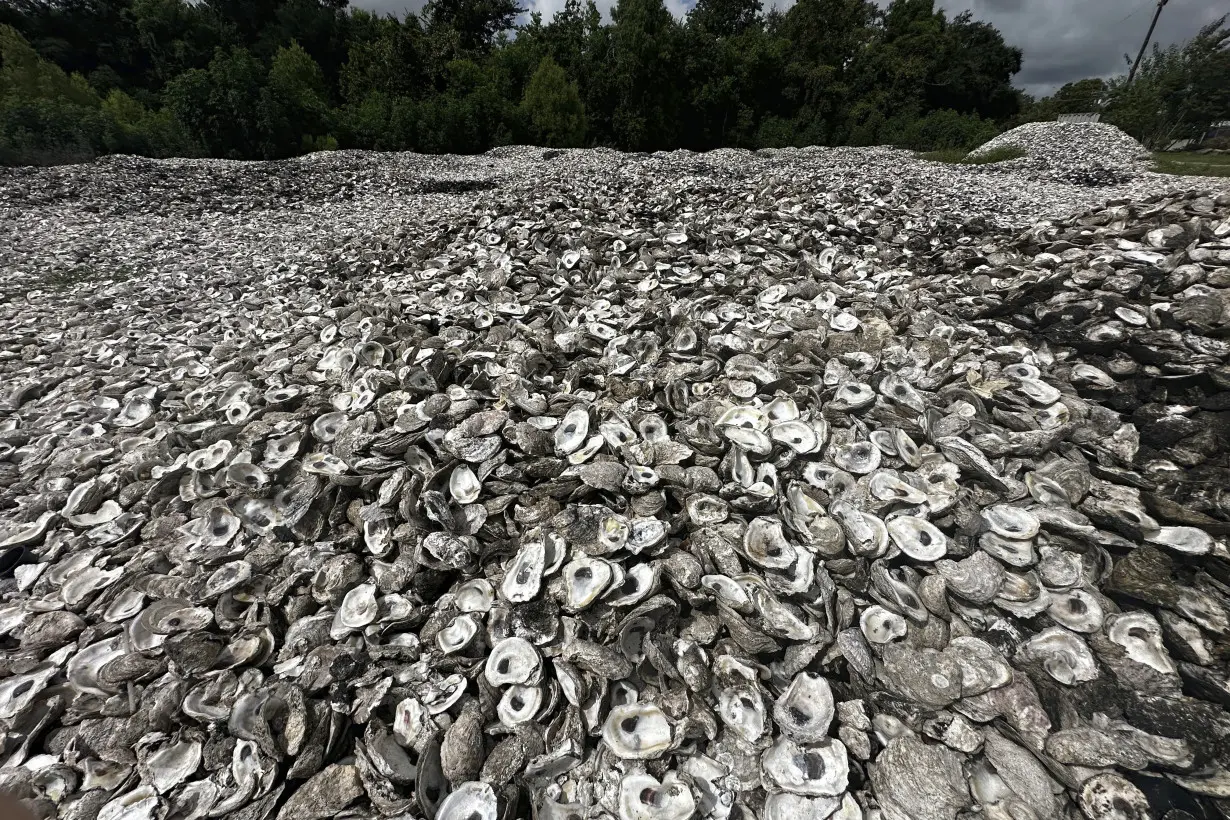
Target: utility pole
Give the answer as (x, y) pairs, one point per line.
(1160, 5)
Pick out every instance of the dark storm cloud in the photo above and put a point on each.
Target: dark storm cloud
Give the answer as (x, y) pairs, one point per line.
(1062, 40)
(1066, 40)
(547, 7)
(1004, 5)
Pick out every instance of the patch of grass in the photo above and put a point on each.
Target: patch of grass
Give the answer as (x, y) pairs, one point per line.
(998, 155)
(952, 156)
(1191, 164)
(62, 279)
(956, 156)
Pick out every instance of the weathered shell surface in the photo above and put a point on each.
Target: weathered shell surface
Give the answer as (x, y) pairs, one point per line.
(794, 483)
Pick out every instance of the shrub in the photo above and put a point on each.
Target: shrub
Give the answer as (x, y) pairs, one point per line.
(46, 116)
(361, 124)
(775, 132)
(866, 123)
(166, 136)
(1001, 154)
(309, 144)
(944, 129)
(951, 156)
(26, 76)
(131, 128)
(959, 156)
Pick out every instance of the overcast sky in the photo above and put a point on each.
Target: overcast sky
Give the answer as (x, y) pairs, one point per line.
(1062, 40)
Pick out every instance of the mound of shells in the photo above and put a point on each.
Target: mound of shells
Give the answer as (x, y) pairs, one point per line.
(1079, 153)
(657, 488)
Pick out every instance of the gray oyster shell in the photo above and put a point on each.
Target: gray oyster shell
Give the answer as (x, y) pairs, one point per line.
(810, 482)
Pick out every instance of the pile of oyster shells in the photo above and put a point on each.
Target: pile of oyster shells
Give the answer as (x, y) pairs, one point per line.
(1095, 154)
(683, 488)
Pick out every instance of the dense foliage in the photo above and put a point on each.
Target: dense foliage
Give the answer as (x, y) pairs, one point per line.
(1177, 93)
(273, 78)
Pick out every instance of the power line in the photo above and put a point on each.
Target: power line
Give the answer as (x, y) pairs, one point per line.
(1129, 15)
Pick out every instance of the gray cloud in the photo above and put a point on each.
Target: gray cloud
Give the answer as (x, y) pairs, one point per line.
(1062, 40)
(397, 8)
(1005, 5)
(1065, 40)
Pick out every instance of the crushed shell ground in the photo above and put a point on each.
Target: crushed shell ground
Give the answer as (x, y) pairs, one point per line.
(821, 483)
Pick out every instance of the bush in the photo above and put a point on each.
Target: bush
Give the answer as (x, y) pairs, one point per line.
(384, 123)
(1001, 154)
(46, 116)
(959, 156)
(361, 124)
(403, 124)
(463, 122)
(866, 123)
(950, 156)
(942, 130)
(165, 136)
(26, 76)
(775, 132)
(309, 144)
(131, 128)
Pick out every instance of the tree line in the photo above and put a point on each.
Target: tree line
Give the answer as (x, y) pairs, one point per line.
(273, 78)
(1177, 93)
(266, 79)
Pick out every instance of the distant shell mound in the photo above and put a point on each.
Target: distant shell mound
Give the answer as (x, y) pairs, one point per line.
(1072, 147)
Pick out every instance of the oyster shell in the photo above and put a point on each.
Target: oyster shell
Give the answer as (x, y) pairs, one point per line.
(757, 484)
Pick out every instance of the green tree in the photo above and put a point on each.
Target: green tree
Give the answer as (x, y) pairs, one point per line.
(567, 37)
(48, 116)
(175, 36)
(473, 23)
(25, 75)
(644, 71)
(972, 73)
(363, 123)
(553, 107)
(294, 106)
(268, 78)
(245, 19)
(221, 105)
(384, 55)
(1177, 92)
(123, 109)
(318, 26)
(131, 128)
(80, 36)
(827, 37)
(1078, 97)
(724, 18)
